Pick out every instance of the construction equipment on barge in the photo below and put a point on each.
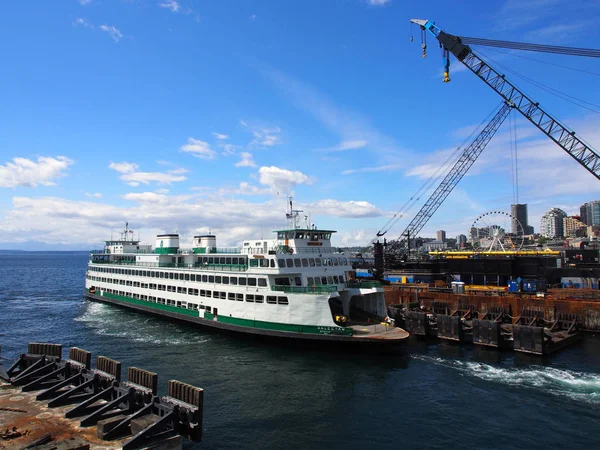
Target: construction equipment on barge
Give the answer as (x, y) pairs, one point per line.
(129, 413)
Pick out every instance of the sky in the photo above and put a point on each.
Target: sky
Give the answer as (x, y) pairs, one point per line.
(194, 116)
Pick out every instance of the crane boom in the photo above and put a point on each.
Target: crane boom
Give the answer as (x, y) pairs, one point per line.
(460, 168)
(564, 137)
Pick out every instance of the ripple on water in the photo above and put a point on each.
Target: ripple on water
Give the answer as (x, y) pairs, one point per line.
(578, 386)
(106, 320)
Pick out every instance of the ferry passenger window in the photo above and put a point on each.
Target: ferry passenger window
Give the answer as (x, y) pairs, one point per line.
(254, 263)
(281, 262)
(227, 260)
(299, 235)
(211, 260)
(204, 278)
(272, 263)
(192, 277)
(208, 309)
(282, 281)
(170, 275)
(215, 294)
(264, 263)
(298, 281)
(289, 262)
(271, 299)
(262, 282)
(304, 262)
(233, 280)
(202, 293)
(282, 300)
(239, 297)
(258, 298)
(187, 277)
(177, 276)
(311, 262)
(341, 278)
(297, 262)
(242, 281)
(225, 280)
(208, 293)
(218, 279)
(280, 235)
(231, 296)
(249, 297)
(222, 260)
(201, 306)
(251, 281)
(222, 295)
(335, 279)
(211, 279)
(329, 279)
(335, 261)
(318, 261)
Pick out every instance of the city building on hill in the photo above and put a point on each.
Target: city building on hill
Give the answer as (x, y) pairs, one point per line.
(590, 213)
(461, 241)
(441, 235)
(552, 224)
(434, 245)
(574, 227)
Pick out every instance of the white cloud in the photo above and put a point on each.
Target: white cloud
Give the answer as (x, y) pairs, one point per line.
(378, 2)
(350, 209)
(244, 188)
(170, 4)
(82, 22)
(93, 195)
(282, 180)
(246, 160)
(383, 168)
(229, 149)
(134, 178)
(124, 167)
(263, 136)
(198, 148)
(220, 136)
(143, 197)
(348, 145)
(85, 2)
(112, 31)
(23, 172)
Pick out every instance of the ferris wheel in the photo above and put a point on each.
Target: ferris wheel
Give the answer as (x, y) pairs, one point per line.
(493, 231)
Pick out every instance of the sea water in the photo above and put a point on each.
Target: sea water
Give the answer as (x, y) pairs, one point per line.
(257, 395)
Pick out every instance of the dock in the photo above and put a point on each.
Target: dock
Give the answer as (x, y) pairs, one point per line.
(47, 402)
(535, 324)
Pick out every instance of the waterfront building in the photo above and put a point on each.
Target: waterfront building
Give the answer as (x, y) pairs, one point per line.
(434, 245)
(441, 235)
(519, 213)
(590, 213)
(552, 225)
(574, 227)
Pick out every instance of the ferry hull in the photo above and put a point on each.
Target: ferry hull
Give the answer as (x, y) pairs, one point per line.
(391, 341)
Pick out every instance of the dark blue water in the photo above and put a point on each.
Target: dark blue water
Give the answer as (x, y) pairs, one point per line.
(263, 396)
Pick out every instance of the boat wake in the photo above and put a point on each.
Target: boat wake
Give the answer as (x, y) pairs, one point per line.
(579, 386)
(105, 320)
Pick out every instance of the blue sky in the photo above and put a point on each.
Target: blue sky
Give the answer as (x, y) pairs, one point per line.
(192, 116)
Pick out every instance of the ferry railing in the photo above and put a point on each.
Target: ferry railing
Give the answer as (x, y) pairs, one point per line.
(322, 289)
(363, 284)
(156, 265)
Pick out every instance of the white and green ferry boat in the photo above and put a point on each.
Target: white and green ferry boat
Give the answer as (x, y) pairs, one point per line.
(295, 286)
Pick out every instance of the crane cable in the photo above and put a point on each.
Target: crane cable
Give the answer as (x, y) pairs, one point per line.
(545, 62)
(445, 167)
(555, 92)
(572, 51)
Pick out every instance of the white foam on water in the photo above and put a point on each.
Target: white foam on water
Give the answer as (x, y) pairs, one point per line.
(579, 386)
(108, 321)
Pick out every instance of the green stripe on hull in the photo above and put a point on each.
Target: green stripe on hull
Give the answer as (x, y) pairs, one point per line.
(249, 323)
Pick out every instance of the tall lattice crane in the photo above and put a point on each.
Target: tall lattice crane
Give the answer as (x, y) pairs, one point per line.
(564, 137)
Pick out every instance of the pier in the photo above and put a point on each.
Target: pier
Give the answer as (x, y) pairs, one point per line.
(529, 323)
(47, 402)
